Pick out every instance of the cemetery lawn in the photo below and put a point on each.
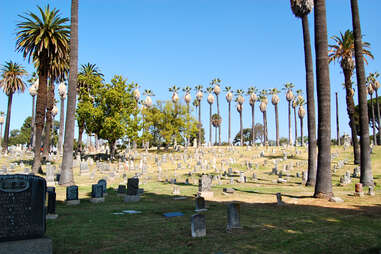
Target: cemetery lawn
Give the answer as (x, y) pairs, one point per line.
(303, 225)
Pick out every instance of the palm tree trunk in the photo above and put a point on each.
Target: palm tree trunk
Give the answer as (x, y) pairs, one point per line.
(80, 135)
(351, 115)
(40, 113)
(378, 119)
(240, 126)
(264, 128)
(67, 177)
(366, 177)
(252, 124)
(323, 187)
(276, 124)
(311, 122)
(210, 124)
(32, 136)
(229, 134)
(373, 120)
(216, 140)
(301, 131)
(62, 117)
(296, 127)
(199, 122)
(48, 119)
(219, 127)
(7, 123)
(337, 121)
(188, 122)
(289, 123)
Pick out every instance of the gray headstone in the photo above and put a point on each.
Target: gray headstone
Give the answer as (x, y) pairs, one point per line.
(234, 216)
(97, 191)
(198, 225)
(132, 186)
(72, 192)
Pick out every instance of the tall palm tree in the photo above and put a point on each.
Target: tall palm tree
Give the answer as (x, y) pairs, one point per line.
(301, 9)
(263, 107)
(229, 97)
(62, 91)
(301, 114)
(187, 99)
(289, 97)
(337, 120)
(199, 95)
(217, 90)
(252, 92)
(295, 104)
(67, 159)
(323, 187)
(147, 103)
(210, 101)
(370, 92)
(11, 82)
(240, 100)
(366, 177)
(376, 86)
(42, 39)
(343, 52)
(175, 97)
(275, 100)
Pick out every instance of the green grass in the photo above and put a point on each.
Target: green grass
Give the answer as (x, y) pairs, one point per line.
(304, 225)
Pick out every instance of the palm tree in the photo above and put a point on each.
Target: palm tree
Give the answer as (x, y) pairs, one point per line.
(42, 40)
(175, 97)
(295, 104)
(301, 9)
(229, 97)
(263, 108)
(275, 100)
(370, 92)
(337, 120)
(343, 52)
(217, 89)
(67, 159)
(366, 177)
(62, 91)
(289, 97)
(240, 100)
(210, 101)
(146, 104)
(216, 122)
(187, 99)
(323, 187)
(199, 94)
(252, 92)
(11, 82)
(376, 85)
(301, 114)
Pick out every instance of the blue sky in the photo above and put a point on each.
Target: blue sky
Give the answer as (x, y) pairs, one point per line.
(159, 43)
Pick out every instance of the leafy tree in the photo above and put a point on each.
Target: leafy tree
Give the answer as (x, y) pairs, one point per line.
(247, 135)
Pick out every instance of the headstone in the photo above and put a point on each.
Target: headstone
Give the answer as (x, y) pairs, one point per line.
(22, 207)
(72, 195)
(371, 191)
(358, 190)
(84, 168)
(132, 190)
(204, 186)
(97, 193)
(50, 175)
(122, 189)
(103, 183)
(233, 216)
(176, 190)
(200, 204)
(279, 199)
(51, 211)
(198, 225)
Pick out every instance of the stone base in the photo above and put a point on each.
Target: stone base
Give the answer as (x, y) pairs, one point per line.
(201, 210)
(206, 194)
(73, 202)
(131, 198)
(31, 246)
(97, 200)
(51, 216)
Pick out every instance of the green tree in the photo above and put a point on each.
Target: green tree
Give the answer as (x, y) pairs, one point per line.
(42, 39)
(11, 82)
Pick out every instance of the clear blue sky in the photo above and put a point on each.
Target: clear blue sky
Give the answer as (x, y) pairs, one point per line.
(159, 43)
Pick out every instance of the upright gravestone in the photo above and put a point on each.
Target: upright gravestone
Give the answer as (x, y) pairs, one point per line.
(50, 175)
(72, 195)
(204, 187)
(84, 168)
(200, 204)
(97, 193)
(22, 210)
(132, 190)
(233, 216)
(198, 225)
(51, 213)
(122, 190)
(103, 183)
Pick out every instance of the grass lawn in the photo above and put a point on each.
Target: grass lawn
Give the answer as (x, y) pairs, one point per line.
(303, 225)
